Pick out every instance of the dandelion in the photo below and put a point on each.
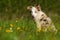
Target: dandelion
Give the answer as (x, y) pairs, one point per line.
(11, 25)
(0, 28)
(7, 30)
(16, 20)
(18, 28)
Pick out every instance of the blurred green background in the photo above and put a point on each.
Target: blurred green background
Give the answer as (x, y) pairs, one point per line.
(13, 14)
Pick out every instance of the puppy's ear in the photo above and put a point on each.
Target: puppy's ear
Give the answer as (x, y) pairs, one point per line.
(38, 7)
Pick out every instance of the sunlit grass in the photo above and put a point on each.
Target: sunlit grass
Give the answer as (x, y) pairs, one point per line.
(25, 29)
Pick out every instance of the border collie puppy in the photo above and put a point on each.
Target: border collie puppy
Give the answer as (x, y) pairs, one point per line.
(42, 21)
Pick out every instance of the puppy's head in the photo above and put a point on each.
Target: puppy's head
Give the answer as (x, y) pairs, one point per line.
(35, 7)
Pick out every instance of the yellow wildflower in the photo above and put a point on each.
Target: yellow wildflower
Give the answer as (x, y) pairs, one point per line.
(11, 25)
(7, 30)
(0, 28)
(16, 20)
(18, 28)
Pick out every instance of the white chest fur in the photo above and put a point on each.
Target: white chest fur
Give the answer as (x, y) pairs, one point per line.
(34, 14)
(38, 14)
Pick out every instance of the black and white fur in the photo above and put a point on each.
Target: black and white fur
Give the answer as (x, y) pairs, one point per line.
(43, 22)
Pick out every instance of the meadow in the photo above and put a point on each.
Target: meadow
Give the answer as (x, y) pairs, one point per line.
(25, 29)
(17, 23)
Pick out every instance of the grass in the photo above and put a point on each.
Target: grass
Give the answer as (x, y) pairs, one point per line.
(25, 29)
